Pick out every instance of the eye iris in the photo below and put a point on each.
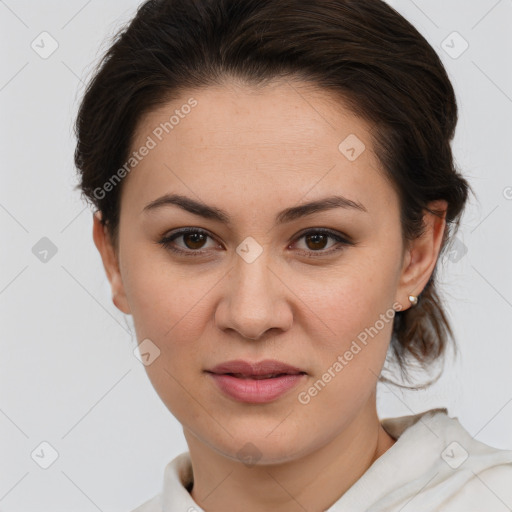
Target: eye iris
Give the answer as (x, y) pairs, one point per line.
(191, 239)
(316, 238)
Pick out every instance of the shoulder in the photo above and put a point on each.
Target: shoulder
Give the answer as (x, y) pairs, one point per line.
(479, 474)
(444, 468)
(489, 489)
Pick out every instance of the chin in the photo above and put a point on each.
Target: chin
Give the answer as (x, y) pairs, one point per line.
(260, 448)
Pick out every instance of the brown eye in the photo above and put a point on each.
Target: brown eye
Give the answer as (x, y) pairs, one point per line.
(321, 242)
(316, 241)
(194, 240)
(187, 241)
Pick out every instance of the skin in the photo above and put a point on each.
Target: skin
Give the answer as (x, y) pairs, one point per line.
(252, 153)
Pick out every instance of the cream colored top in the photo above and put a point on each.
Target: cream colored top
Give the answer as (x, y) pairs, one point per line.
(434, 466)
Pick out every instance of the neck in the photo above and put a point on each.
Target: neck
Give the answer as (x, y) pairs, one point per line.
(312, 482)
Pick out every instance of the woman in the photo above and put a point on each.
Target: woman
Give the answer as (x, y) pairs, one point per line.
(274, 185)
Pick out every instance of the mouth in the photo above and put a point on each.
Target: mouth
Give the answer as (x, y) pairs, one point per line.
(261, 377)
(256, 383)
(266, 369)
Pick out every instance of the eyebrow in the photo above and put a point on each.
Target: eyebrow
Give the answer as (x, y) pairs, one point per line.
(287, 215)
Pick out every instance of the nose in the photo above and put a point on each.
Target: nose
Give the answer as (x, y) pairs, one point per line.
(255, 300)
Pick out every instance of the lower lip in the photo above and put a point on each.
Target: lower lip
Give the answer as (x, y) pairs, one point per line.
(253, 390)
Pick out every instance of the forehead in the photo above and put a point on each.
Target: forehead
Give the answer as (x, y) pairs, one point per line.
(278, 142)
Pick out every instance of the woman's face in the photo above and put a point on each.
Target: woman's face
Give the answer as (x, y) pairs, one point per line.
(260, 280)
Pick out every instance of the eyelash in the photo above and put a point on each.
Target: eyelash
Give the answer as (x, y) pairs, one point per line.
(166, 242)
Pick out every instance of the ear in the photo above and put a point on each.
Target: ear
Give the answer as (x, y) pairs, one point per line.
(421, 254)
(108, 254)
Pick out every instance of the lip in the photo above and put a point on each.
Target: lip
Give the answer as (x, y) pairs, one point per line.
(239, 380)
(250, 369)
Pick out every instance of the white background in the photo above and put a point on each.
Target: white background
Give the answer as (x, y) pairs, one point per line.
(68, 375)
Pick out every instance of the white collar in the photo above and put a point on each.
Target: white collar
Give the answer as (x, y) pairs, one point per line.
(421, 438)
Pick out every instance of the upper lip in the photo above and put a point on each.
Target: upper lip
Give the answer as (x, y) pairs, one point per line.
(266, 367)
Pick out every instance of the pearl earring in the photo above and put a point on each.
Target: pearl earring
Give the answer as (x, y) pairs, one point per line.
(413, 300)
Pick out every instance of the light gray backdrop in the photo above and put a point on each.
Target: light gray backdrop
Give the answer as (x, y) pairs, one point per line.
(68, 375)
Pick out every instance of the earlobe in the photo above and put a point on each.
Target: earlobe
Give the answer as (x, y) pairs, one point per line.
(422, 254)
(110, 261)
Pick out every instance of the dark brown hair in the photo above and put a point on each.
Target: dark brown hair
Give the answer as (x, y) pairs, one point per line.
(364, 51)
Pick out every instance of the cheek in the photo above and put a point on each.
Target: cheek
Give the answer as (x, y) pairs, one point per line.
(343, 302)
(349, 358)
(163, 298)
(167, 308)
